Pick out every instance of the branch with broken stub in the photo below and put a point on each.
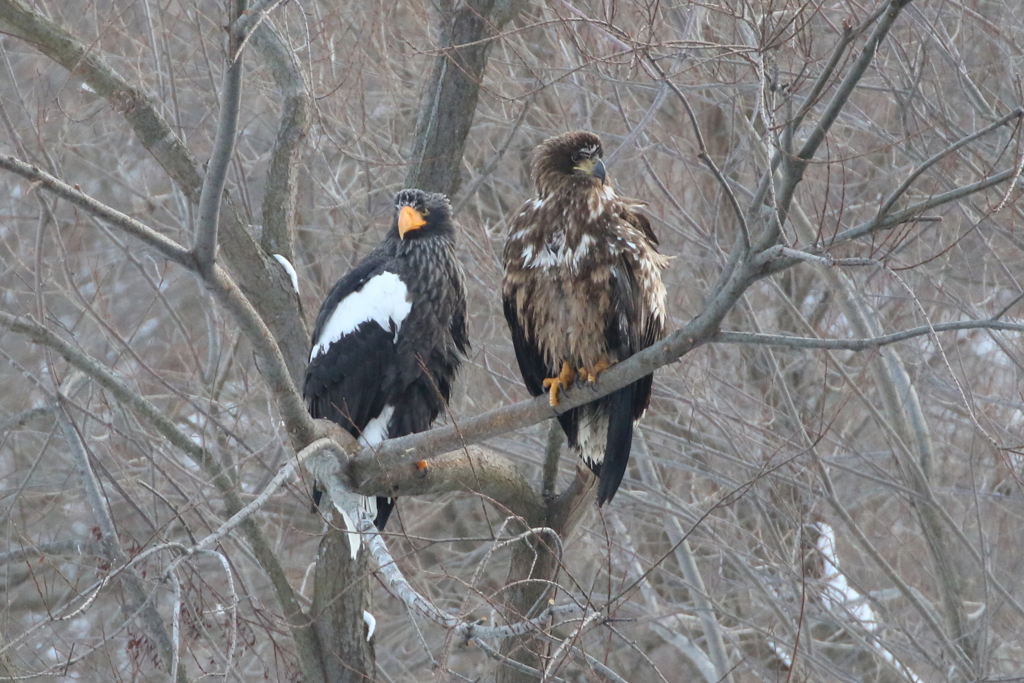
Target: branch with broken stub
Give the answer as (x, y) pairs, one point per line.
(321, 459)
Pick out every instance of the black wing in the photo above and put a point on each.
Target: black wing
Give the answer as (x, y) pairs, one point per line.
(624, 337)
(349, 382)
(535, 370)
(531, 361)
(460, 330)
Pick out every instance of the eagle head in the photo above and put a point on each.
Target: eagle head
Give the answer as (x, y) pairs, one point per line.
(421, 214)
(568, 158)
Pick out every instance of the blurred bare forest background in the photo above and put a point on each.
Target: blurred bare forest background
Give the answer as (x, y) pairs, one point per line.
(804, 503)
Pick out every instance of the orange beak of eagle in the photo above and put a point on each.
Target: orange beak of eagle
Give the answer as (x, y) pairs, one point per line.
(409, 219)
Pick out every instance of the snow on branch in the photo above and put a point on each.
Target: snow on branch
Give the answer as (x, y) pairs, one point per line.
(842, 600)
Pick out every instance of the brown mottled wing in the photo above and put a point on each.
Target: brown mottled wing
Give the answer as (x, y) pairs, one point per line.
(631, 327)
(638, 325)
(531, 361)
(628, 328)
(529, 356)
(637, 219)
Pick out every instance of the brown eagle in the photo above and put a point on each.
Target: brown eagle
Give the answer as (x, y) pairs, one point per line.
(582, 290)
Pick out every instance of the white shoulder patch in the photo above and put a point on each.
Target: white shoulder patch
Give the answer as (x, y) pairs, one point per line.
(383, 299)
(288, 268)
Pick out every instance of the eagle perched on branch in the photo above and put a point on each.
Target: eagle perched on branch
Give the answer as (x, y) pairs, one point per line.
(391, 334)
(582, 290)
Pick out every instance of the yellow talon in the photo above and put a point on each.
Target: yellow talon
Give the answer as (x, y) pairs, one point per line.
(564, 379)
(590, 374)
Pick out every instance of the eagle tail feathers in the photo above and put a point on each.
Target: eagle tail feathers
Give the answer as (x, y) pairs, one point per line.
(619, 443)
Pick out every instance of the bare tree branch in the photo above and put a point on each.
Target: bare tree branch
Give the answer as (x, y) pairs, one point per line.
(719, 656)
(168, 248)
(938, 156)
(138, 602)
(277, 374)
(77, 548)
(260, 547)
(205, 249)
(196, 422)
(794, 167)
(260, 276)
(705, 157)
(861, 344)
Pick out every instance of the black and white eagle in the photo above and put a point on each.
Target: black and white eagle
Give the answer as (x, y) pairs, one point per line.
(391, 334)
(582, 290)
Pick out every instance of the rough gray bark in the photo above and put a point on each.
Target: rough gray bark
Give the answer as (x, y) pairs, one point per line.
(341, 591)
(531, 576)
(450, 97)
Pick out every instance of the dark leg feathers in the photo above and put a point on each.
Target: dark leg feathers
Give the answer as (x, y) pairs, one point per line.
(384, 508)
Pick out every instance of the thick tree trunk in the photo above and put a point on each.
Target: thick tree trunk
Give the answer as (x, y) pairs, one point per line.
(449, 100)
(533, 569)
(531, 576)
(341, 591)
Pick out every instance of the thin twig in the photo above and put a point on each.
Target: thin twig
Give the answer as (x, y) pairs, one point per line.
(468, 192)
(795, 165)
(139, 602)
(263, 552)
(935, 158)
(419, 604)
(705, 157)
(717, 655)
(508, 661)
(70, 548)
(283, 475)
(913, 211)
(170, 249)
(272, 364)
(862, 541)
(792, 342)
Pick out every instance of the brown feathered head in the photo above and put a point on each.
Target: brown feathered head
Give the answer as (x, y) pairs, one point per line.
(571, 158)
